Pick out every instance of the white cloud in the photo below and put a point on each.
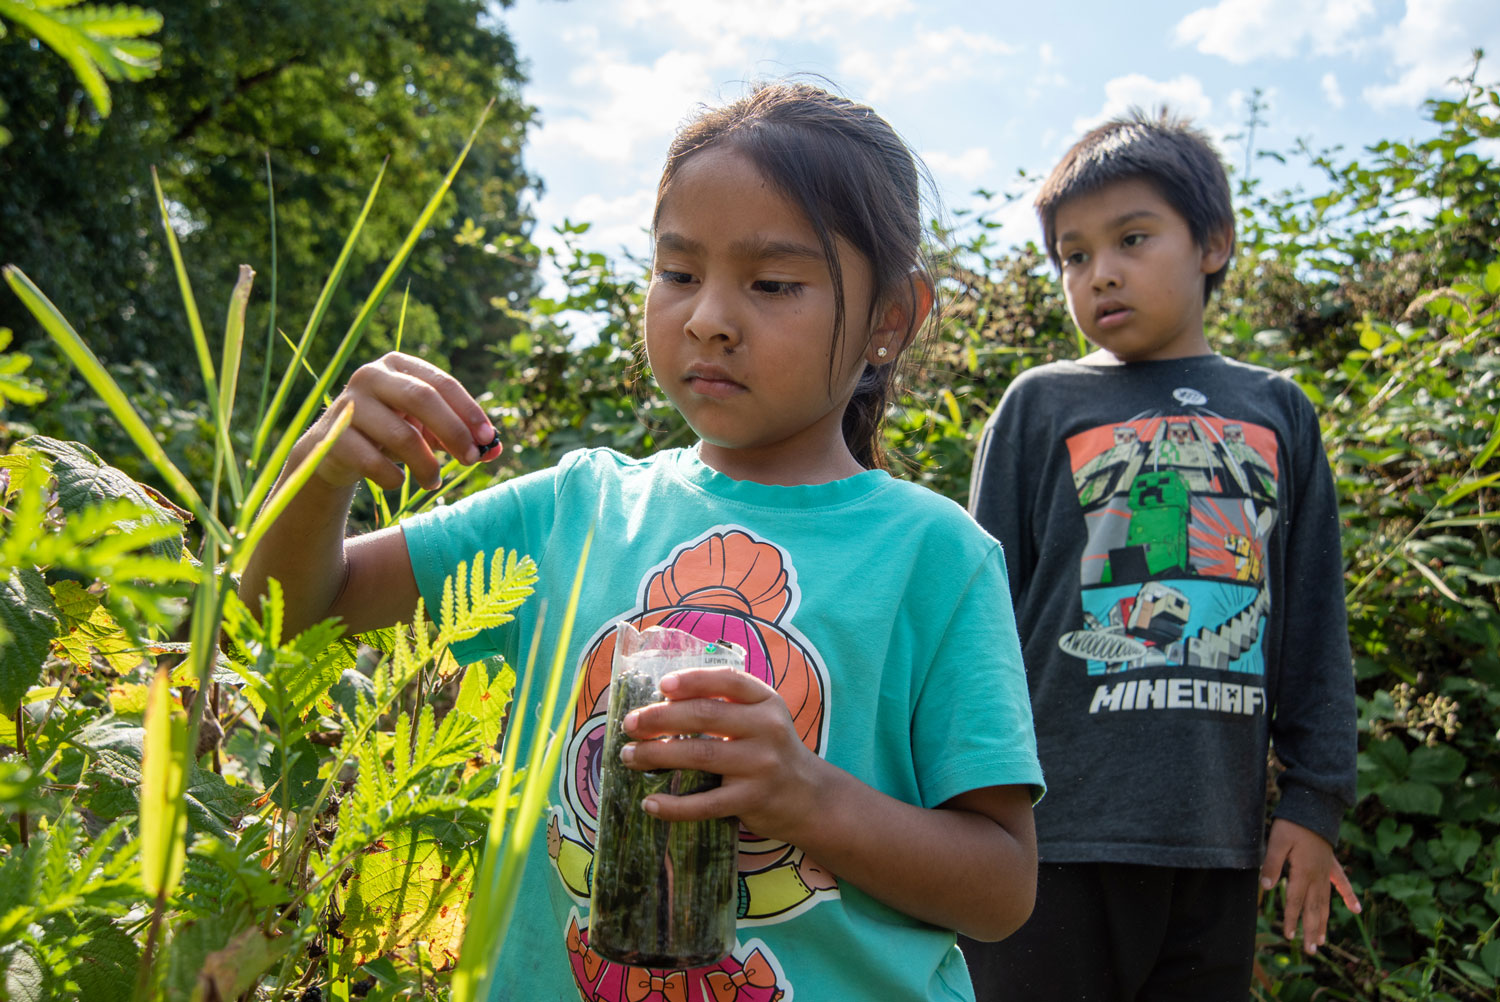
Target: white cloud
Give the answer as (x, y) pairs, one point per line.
(927, 59)
(1183, 94)
(1331, 92)
(626, 108)
(969, 166)
(1244, 30)
(1431, 45)
(713, 20)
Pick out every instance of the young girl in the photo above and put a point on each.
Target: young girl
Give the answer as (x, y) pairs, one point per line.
(879, 749)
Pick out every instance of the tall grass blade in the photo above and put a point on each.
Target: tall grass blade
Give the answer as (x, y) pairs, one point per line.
(189, 305)
(270, 416)
(109, 391)
(229, 368)
(265, 371)
(356, 329)
(163, 814)
(498, 883)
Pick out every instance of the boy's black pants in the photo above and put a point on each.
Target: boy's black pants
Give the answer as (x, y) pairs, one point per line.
(1118, 932)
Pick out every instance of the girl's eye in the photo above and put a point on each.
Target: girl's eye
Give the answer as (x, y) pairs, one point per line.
(772, 287)
(1074, 258)
(674, 277)
(1134, 239)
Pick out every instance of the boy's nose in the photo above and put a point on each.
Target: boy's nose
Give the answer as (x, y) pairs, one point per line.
(1105, 275)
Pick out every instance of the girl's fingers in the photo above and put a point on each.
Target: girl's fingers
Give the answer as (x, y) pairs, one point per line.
(429, 402)
(469, 435)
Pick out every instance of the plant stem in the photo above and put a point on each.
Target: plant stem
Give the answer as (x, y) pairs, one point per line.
(148, 955)
(22, 820)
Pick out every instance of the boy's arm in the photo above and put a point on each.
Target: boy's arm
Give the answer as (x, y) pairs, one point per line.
(403, 409)
(1313, 728)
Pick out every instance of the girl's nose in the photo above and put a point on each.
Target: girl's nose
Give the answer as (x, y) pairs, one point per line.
(713, 319)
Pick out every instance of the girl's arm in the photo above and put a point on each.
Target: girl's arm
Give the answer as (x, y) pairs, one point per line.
(403, 409)
(968, 865)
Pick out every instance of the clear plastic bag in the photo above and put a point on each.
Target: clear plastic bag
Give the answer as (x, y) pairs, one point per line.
(664, 894)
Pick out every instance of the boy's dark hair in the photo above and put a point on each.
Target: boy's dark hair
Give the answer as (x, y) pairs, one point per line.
(1168, 151)
(853, 177)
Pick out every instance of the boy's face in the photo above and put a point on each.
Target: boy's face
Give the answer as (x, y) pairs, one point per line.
(1133, 274)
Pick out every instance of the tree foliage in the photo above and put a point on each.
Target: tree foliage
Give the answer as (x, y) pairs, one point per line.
(302, 101)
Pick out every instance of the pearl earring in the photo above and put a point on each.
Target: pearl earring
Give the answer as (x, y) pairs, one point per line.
(880, 353)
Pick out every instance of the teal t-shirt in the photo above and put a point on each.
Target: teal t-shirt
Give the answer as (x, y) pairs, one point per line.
(877, 609)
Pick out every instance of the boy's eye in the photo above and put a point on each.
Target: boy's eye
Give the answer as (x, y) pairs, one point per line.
(1134, 239)
(674, 277)
(1074, 258)
(773, 287)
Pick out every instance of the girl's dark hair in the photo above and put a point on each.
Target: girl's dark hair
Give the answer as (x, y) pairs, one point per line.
(1166, 151)
(853, 177)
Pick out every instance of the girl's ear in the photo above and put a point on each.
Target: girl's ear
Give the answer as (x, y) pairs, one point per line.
(897, 322)
(1216, 250)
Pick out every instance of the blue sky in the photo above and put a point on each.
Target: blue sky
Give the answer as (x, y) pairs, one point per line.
(980, 89)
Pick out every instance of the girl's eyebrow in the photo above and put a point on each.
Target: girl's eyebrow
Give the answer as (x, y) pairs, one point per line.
(750, 249)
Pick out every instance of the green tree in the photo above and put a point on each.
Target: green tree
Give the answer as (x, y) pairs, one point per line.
(320, 93)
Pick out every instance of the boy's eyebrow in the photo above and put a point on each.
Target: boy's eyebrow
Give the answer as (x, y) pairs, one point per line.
(1124, 219)
(751, 249)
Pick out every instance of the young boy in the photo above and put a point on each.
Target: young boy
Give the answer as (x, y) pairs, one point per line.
(1172, 534)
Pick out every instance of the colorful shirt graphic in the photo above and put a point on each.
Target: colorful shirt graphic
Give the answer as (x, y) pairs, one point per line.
(1177, 512)
(727, 585)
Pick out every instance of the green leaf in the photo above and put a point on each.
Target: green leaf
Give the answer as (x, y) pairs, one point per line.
(102, 957)
(1412, 798)
(29, 621)
(21, 977)
(1492, 277)
(1460, 845)
(1489, 956)
(1390, 836)
(486, 698)
(413, 885)
(1442, 765)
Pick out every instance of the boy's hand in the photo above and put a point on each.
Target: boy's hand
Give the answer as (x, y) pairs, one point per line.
(770, 778)
(1311, 870)
(404, 408)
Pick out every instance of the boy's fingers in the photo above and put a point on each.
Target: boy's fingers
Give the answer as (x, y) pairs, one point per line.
(1270, 867)
(1296, 895)
(1315, 920)
(1340, 881)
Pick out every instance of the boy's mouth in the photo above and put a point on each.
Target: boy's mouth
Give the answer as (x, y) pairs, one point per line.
(1107, 312)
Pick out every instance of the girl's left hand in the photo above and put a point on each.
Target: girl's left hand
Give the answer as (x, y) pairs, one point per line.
(770, 778)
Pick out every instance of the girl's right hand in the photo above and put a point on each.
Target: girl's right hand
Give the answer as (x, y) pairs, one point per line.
(404, 409)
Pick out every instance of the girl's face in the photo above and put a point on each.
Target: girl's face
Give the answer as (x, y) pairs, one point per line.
(739, 325)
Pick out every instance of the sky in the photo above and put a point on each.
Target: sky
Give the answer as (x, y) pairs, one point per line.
(981, 89)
